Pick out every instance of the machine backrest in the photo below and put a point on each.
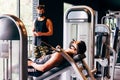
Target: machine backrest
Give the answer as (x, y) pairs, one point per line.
(102, 40)
(101, 44)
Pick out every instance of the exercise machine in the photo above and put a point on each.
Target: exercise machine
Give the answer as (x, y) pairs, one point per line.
(79, 23)
(13, 48)
(105, 56)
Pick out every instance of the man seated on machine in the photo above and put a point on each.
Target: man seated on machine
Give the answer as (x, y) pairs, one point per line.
(50, 61)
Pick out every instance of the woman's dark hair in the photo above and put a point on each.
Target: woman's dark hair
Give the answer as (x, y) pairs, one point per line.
(81, 47)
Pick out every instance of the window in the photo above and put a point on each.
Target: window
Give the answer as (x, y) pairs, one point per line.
(8, 7)
(23, 10)
(26, 14)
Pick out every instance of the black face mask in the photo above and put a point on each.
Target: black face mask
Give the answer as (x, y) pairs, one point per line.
(41, 15)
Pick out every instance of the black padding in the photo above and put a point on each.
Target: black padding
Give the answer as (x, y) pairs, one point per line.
(116, 39)
(98, 45)
(79, 57)
(104, 48)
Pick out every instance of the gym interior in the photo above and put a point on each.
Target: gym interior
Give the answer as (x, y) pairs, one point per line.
(96, 22)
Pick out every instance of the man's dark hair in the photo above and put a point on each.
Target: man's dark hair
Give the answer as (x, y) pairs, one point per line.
(41, 7)
(81, 47)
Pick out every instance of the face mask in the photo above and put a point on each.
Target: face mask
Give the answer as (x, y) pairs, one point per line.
(41, 15)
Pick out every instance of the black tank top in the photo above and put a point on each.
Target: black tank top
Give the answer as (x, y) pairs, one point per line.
(40, 26)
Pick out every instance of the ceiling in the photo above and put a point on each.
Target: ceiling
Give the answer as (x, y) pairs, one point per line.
(97, 4)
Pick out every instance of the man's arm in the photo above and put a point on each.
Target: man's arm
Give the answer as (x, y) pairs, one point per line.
(49, 25)
(55, 59)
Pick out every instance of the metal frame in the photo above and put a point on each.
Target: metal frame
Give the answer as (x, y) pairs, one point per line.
(91, 20)
(23, 45)
(91, 14)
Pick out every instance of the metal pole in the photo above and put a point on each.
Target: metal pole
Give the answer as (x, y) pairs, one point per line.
(18, 8)
(10, 59)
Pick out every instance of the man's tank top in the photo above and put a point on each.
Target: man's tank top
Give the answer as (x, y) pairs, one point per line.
(40, 26)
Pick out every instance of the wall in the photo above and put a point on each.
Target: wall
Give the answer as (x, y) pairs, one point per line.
(54, 10)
